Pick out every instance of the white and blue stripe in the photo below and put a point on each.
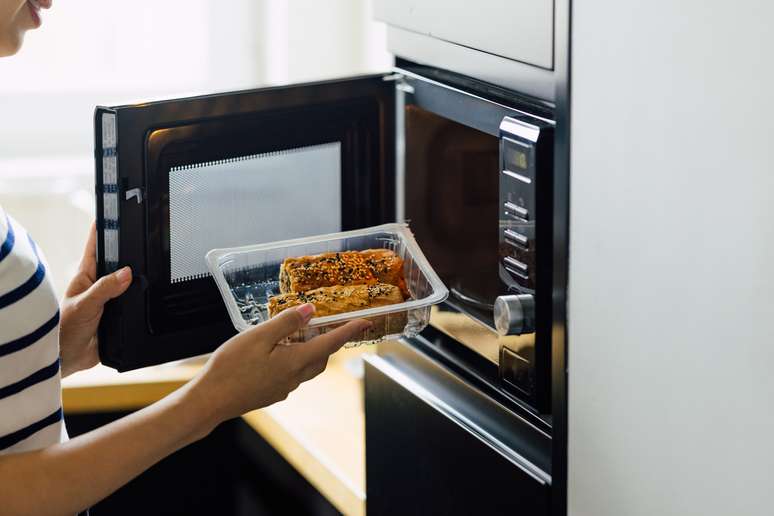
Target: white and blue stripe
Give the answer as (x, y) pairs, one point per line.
(30, 396)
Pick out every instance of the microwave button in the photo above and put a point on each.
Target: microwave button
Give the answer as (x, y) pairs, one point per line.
(514, 315)
(516, 210)
(521, 279)
(516, 237)
(516, 264)
(517, 176)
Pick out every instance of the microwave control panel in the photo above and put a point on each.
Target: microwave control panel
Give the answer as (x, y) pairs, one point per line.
(525, 172)
(525, 247)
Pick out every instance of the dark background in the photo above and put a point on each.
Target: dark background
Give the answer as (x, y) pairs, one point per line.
(233, 471)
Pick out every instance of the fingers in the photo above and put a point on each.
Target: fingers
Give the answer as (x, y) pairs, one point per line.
(109, 287)
(320, 348)
(284, 324)
(88, 264)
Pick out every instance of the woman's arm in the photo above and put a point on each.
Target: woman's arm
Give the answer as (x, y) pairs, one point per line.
(249, 371)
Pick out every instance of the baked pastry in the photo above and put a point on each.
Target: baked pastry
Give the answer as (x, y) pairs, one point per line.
(349, 298)
(345, 268)
(338, 299)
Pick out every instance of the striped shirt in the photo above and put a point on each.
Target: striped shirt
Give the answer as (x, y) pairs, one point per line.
(30, 391)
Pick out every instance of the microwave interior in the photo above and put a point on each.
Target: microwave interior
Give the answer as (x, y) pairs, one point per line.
(178, 178)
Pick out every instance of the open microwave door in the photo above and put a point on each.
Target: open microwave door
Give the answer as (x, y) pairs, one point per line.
(177, 178)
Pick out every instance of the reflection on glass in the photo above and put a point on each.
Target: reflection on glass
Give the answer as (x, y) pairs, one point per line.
(452, 195)
(480, 338)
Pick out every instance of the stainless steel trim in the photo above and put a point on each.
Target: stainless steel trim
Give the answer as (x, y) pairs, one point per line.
(513, 75)
(517, 176)
(417, 77)
(458, 417)
(400, 147)
(518, 210)
(520, 129)
(402, 86)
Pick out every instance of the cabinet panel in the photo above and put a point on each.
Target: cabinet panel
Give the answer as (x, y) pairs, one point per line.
(521, 30)
(421, 460)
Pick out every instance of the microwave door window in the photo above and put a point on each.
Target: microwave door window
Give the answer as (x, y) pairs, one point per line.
(251, 199)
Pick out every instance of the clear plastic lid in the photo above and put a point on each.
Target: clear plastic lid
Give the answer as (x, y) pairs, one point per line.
(248, 276)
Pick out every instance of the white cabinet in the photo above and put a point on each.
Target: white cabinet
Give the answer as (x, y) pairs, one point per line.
(521, 30)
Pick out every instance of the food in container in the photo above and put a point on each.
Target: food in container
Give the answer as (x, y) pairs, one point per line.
(249, 277)
(341, 299)
(338, 299)
(365, 267)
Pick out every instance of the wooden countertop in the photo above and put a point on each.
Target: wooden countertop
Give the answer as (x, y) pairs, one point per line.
(319, 429)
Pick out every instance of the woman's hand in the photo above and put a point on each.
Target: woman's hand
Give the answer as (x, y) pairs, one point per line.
(251, 370)
(82, 309)
(248, 371)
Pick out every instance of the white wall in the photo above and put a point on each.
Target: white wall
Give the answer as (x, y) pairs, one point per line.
(115, 51)
(671, 332)
(309, 40)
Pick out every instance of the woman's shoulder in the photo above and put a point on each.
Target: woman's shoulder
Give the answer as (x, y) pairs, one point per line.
(3, 223)
(26, 293)
(30, 406)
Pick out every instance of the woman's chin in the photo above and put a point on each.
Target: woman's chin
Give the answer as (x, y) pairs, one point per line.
(11, 43)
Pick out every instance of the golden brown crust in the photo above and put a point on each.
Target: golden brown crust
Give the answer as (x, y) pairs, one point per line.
(345, 268)
(338, 299)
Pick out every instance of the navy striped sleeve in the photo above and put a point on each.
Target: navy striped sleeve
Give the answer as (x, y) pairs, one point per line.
(41, 375)
(28, 286)
(10, 238)
(8, 440)
(30, 338)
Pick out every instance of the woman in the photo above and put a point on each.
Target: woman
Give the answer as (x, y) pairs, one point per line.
(41, 472)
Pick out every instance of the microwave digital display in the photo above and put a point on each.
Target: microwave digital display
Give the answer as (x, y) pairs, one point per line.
(516, 158)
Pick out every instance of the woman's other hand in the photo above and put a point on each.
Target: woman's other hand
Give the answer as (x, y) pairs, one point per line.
(82, 309)
(251, 370)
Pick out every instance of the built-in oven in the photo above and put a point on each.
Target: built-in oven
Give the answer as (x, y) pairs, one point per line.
(467, 164)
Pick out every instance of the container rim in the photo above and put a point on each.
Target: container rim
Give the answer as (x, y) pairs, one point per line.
(216, 257)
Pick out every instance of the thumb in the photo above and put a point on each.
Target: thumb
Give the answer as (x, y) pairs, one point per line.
(284, 324)
(109, 287)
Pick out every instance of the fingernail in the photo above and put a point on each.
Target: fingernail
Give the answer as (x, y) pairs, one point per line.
(124, 275)
(306, 311)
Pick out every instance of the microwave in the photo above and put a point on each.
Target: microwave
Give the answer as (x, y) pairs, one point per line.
(469, 165)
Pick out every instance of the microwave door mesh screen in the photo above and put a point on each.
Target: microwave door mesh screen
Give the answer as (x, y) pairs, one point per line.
(249, 200)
